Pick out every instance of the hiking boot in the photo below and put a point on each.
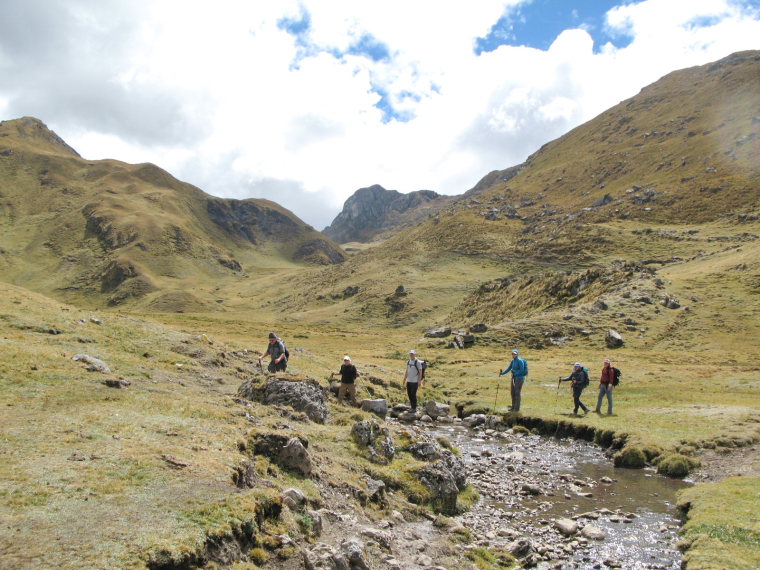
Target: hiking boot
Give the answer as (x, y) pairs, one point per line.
(597, 411)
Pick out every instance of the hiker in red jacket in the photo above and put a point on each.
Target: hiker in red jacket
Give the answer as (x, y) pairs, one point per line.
(606, 383)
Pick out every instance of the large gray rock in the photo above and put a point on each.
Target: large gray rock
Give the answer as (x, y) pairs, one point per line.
(613, 339)
(294, 456)
(376, 439)
(566, 527)
(439, 332)
(378, 407)
(593, 532)
(93, 364)
(304, 396)
(436, 410)
(445, 476)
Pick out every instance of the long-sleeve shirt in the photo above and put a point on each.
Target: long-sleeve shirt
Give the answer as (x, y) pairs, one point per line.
(518, 367)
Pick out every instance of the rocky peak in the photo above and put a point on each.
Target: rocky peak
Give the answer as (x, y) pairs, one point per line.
(29, 127)
(374, 210)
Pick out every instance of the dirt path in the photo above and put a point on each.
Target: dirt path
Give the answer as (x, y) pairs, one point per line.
(718, 465)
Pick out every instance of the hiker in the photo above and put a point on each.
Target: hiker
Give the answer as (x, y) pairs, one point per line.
(348, 374)
(579, 378)
(519, 369)
(413, 377)
(278, 354)
(606, 383)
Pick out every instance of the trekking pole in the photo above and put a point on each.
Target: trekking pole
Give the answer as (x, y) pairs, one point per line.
(556, 398)
(261, 367)
(493, 410)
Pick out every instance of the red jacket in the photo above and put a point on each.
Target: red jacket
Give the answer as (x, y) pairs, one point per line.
(608, 375)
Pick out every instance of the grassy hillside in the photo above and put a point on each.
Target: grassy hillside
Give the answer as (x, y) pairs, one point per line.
(106, 232)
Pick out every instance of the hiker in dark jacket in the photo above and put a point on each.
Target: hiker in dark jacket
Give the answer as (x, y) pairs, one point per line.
(276, 351)
(579, 379)
(606, 383)
(519, 369)
(348, 374)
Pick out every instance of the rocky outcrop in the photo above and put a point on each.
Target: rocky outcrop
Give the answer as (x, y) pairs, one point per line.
(303, 396)
(372, 211)
(376, 439)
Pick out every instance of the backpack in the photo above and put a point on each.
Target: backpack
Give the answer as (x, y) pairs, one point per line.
(618, 374)
(284, 348)
(584, 381)
(423, 368)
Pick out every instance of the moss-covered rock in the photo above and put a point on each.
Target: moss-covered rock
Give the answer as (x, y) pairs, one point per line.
(631, 457)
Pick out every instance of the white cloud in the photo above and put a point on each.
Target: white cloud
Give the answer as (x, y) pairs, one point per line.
(223, 97)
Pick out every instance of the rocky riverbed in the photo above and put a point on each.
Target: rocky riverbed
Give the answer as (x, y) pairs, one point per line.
(561, 504)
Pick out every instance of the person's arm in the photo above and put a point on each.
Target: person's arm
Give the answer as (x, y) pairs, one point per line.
(282, 352)
(508, 368)
(406, 371)
(265, 354)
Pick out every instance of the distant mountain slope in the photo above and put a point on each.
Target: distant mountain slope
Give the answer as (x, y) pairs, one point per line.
(373, 211)
(669, 177)
(106, 231)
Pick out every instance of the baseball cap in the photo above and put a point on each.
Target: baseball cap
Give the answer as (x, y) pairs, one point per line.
(577, 364)
(347, 358)
(412, 351)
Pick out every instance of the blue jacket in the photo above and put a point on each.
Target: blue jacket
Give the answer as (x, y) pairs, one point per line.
(518, 367)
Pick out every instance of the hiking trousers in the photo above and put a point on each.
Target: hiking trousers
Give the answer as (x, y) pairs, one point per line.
(278, 366)
(411, 391)
(577, 391)
(349, 390)
(517, 384)
(604, 390)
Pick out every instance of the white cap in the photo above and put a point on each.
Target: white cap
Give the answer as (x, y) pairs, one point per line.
(412, 351)
(347, 358)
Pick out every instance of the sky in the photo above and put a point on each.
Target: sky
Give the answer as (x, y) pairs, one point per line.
(305, 101)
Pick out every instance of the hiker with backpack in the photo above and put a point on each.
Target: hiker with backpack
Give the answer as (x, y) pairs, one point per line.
(579, 379)
(413, 377)
(610, 378)
(519, 369)
(277, 352)
(348, 374)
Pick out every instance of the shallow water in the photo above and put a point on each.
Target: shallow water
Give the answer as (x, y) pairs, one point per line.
(641, 529)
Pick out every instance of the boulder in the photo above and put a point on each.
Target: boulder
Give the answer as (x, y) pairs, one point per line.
(439, 332)
(437, 477)
(377, 440)
(474, 420)
(436, 410)
(378, 407)
(426, 450)
(566, 527)
(479, 328)
(520, 547)
(93, 364)
(293, 498)
(303, 396)
(613, 339)
(593, 532)
(376, 490)
(670, 302)
(294, 456)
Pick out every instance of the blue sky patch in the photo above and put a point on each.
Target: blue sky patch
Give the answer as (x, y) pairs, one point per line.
(537, 23)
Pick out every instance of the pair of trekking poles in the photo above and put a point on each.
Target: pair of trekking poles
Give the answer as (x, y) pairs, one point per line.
(498, 382)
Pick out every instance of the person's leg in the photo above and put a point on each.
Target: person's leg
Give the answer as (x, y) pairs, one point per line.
(351, 391)
(582, 405)
(516, 399)
(272, 367)
(512, 394)
(609, 400)
(602, 391)
(411, 391)
(342, 392)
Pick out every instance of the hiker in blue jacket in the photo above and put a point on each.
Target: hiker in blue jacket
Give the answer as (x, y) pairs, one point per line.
(519, 369)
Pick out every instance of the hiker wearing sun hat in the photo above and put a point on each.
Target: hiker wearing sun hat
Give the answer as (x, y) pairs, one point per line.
(519, 369)
(579, 379)
(348, 375)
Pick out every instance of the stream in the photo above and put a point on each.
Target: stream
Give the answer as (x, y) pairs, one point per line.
(526, 482)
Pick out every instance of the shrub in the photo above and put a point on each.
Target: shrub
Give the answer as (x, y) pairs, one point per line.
(631, 457)
(520, 429)
(651, 452)
(674, 465)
